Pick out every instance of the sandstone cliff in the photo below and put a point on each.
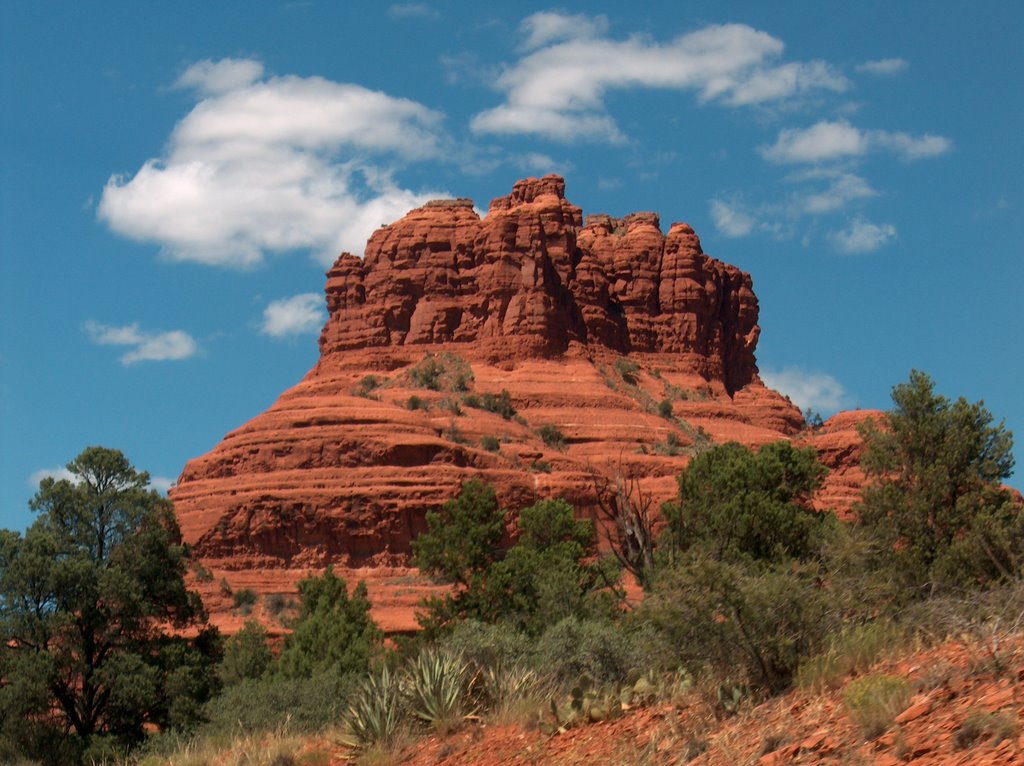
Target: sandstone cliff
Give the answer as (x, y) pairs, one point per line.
(589, 326)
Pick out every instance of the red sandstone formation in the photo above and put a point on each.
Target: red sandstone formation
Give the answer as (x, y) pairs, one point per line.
(588, 326)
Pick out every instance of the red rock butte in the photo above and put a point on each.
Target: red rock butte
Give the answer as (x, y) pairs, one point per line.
(590, 326)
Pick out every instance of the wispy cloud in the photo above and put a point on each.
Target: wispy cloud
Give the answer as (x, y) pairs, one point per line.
(557, 89)
(264, 165)
(144, 346)
(815, 390)
(883, 67)
(828, 141)
(412, 11)
(730, 219)
(862, 236)
(297, 315)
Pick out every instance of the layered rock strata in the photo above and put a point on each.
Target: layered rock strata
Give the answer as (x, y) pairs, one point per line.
(589, 326)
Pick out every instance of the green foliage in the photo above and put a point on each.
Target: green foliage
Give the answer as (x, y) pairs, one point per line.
(490, 443)
(416, 403)
(873, 702)
(984, 725)
(934, 502)
(464, 538)
(374, 714)
(333, 633)
(499, 404)
(486, 645)
(665, 408)
(750, 622)
(546, 575)
(855, 649)
(85, 665)
(552, 436)
(444, 372)
(598, 649)
(540, 466)
(735, 504)
(246, 654)
(368, 384)
(244, 600)
(437, 686)
(627, 369)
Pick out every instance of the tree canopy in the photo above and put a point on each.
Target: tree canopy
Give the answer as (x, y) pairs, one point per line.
(934, 499)
(93, 617)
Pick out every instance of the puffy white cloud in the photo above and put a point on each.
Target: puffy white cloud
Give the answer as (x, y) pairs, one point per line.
(273, 165)
(547, 27)
(862, 236)
(297, 315)
(57, 474)
(730, 219)
(558, 89)
(883, 66)
(146, 346)
(815, 390)
(827, 141)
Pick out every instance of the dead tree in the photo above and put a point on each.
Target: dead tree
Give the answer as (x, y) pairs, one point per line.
(629, 529)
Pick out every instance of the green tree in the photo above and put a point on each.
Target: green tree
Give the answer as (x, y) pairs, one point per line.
(334, 632)
(247, 654)
(934, 500)
(548, 574)
(738, 504)
(86, 599)
(464, 538)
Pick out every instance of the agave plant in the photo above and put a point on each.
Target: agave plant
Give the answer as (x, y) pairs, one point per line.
(438, 687)
(374, 715)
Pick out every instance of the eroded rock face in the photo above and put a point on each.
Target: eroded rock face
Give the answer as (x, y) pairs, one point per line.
(529, 279)
(588, 326)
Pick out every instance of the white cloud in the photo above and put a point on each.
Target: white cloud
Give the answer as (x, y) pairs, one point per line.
(161, 483)
(827, 140)
(862, 236)
(412, 11)
(815, 390)
(300, 314)
(213, 77)
(146, 346)
(273, 165)
(883, 66)
(558, 89)
(842, 189)
(547, 27)
(57, 474)
(730, 219)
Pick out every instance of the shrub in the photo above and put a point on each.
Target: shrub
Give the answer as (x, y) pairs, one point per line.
(224, 587)
(982, 724)
(485, 645)
(427, 374)
(246, 654)
(874, 702)
(203, 574)
(665, 408)
(627, 370)
(271, 702)
(500, 404)
(275, 603)
(490, 443)
(854, 650)
(447, 372)
(452, 405)
(552, 436)
(574, 648)
(735, 619)
(540, 466)
(416, 403)
(368, 384)
(244, 600)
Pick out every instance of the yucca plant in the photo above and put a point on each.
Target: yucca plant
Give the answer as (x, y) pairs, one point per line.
(374, 715)
(438, 686)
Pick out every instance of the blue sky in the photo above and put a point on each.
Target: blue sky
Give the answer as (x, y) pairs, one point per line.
(176, 178)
